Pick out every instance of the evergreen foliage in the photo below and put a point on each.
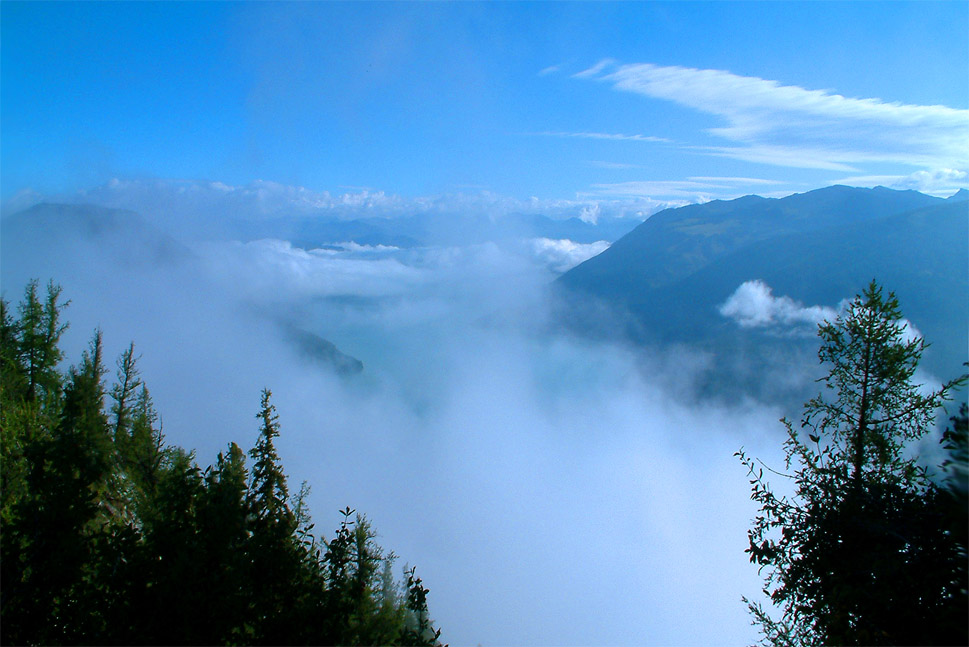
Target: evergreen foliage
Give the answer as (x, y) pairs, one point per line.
(111, 536)
(867, 550)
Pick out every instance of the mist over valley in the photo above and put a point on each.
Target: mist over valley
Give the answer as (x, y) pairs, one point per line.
(452, 392)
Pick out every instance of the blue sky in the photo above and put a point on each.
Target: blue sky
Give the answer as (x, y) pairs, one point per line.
(569, 101)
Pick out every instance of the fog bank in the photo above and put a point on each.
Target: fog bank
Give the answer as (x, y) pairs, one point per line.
(550, 489)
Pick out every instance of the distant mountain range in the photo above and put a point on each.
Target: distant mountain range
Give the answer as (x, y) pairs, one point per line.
(60, 240)
(425, 230)
(63, 228)
(670, 274)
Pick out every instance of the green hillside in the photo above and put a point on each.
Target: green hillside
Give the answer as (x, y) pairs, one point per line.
(818, 248)
(675, 243)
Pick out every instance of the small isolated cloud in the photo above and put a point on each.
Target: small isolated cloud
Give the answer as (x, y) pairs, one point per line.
(590, 214)
(562, 255)
(753, 305)
(787, 125)
(551, 69)
(941, 182)
(938, 182)
(945, 181)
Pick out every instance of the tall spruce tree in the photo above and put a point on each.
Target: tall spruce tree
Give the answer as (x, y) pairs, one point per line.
(275, 555)
(40, 331)
(861, 552)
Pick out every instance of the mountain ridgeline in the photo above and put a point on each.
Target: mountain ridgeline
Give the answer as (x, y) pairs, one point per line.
(65, 240)
(670, 274)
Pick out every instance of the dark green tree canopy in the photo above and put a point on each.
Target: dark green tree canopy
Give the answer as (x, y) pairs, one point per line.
(112, 536)
(863, 552)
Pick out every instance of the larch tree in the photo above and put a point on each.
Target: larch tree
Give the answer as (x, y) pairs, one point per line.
(861, 552)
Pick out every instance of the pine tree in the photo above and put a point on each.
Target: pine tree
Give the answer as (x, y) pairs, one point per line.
(13, 484)
(81, 460)
(84, 435)
(13, 379)
(224, 535)
(144, 452)
(174, 598)
(270, 494)
(30, 388)
(40, 331)
(275, 552)
(124, 392)
(860, 553)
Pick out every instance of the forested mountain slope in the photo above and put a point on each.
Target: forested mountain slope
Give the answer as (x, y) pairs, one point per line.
(670, 274)
(677, 242)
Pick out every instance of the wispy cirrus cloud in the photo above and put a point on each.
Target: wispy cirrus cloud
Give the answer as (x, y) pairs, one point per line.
(593, 71)
(787, 125)
(614, 166)
(690, 189)
(606, 136)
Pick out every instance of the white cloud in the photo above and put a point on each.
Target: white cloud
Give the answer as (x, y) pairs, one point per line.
(728, 181)
(563, 255)
(938, 182)
(352, 246)
(753, 305)
(793, 126)
(590, 214)
(794, 157)
(273, 271)
(594, 70)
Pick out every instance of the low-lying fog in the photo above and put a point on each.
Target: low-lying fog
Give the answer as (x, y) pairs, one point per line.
(550, 489)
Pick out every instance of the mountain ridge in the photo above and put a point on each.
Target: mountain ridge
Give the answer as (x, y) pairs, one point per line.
(920, 253)
(676, 242)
